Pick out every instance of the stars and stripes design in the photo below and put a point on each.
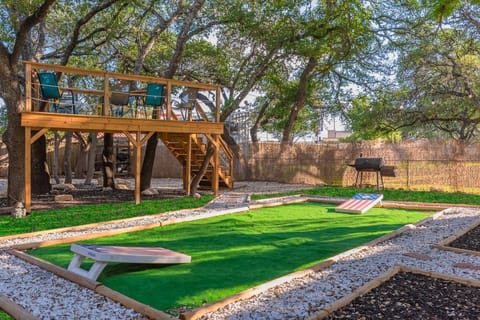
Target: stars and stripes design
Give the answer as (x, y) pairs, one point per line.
(360, 203)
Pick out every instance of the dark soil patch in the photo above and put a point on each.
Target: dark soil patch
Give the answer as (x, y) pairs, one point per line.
(412, 296)
(94, 195)
(469, 241)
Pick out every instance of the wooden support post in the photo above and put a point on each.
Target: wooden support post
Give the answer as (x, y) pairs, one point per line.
(217, 105)
(138, 160)
(168, 101)
(188, 166)
(106, 95)
(216, 165)
(28, 87)
(28, 169)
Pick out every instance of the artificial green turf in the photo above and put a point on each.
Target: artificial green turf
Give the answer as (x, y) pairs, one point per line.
(78, 215)
(388, 195)
(85, 214)
(5, 316)
(238, 251)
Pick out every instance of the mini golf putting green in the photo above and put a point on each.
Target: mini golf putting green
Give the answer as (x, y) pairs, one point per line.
(235, 252)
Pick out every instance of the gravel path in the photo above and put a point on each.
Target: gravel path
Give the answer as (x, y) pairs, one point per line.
(50, 297)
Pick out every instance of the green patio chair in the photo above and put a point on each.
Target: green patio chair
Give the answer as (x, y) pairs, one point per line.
(153, 99)
(51, 92)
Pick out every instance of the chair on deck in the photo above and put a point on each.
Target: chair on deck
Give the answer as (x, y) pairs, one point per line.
(120, 104)
(154, 99)
(187, 103)
(51, 92)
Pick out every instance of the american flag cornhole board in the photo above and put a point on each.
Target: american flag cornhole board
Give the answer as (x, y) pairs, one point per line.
(360, 203)
(105, 254)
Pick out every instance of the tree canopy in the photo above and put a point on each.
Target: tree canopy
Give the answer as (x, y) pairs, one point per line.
(433, 91)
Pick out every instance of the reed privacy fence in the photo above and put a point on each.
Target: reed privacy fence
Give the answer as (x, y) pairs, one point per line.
(420, 165)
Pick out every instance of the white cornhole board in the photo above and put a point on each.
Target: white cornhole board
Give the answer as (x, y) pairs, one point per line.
(360, 203)
(105, 254)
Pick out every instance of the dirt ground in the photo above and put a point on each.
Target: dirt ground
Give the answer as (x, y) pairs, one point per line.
(77, 193)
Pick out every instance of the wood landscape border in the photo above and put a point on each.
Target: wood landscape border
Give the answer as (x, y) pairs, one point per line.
(196, 313)
(92, 285)
(328, 310)
(445, 244)
(14, 310)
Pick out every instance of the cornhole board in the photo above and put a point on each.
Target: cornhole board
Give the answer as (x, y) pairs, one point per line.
(102, 255)
(360, 203)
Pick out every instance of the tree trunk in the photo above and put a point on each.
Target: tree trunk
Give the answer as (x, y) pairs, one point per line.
(14, 137)
(56, 151)
(182, 39)
(300, 99)
(239, 156)
(148, 161)
(81, 165)
(67, 157)
(107, 158)
(40, 173)
(92, 153)
(201, 172)
(254, 129)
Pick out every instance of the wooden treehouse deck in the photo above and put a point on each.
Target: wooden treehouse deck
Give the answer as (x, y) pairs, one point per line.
(185, 124)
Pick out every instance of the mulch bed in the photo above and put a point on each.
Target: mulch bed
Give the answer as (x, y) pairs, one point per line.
(413, 296)
(469, 241)
(92, 195)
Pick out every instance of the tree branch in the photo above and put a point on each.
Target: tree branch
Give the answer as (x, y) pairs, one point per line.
(21, 36)
(78, 26)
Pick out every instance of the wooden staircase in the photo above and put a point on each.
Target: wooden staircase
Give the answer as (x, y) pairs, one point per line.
(177, 143)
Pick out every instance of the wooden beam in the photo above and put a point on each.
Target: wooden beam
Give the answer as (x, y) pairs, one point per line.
(38, 134)
(88, 123)
(188, 166)
(106, 96)
(216, 167)
(168, 101)
(147, 136)
(15, 310)
(138, 158)
(217, 105)
(28, 169)
(130, 138)
(28, 87)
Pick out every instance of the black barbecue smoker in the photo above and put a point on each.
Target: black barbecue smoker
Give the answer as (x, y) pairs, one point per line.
(376, 165)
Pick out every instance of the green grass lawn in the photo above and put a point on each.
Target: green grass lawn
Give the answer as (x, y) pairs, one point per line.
(5, 316)
(238, 251)
(388, 195)
(85, 214)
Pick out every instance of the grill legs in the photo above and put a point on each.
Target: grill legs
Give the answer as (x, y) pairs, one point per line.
(380, 184)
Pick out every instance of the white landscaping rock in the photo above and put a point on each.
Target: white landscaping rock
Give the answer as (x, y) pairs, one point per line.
(150, 192)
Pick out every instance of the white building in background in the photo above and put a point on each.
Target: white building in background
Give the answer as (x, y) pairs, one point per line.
(331, 129)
